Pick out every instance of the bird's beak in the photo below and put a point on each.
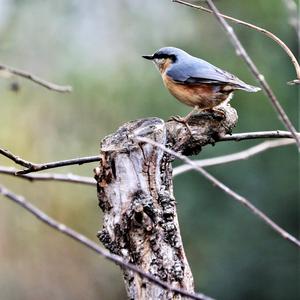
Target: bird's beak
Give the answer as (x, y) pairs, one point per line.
(149, 57)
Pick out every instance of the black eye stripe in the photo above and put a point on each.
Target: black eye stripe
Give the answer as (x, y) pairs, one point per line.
(159, 56)
(164, 55)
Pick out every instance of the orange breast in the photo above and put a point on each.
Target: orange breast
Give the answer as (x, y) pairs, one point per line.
(201, 95)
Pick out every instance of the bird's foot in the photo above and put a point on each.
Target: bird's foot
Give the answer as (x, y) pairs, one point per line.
(219, 113)
(183, 120)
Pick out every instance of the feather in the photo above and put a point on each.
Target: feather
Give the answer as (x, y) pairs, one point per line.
(192, 70)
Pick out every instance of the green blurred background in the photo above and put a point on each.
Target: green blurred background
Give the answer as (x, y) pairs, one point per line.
(96, 47)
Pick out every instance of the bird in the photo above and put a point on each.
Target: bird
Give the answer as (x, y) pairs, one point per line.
(195, 82)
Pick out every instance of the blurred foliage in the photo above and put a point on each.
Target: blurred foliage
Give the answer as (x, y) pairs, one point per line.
(96, 46)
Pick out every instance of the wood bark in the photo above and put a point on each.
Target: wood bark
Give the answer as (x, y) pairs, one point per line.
(135, 192)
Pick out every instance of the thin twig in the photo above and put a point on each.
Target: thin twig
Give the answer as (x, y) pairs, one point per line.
(32, 167)
(257, 135)
(42, 82)
(257, 28)
(227, 190)
(242, 52)
(20, 200)
(245, 154)
(58, 164)
(71, 178)
(16, 159)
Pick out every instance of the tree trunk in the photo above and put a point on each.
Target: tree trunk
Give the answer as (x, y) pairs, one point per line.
(135, 192)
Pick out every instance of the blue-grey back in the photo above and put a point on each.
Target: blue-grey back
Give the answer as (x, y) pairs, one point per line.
(190, 69)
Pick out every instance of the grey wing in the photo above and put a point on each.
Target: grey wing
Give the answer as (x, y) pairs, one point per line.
(198, 71)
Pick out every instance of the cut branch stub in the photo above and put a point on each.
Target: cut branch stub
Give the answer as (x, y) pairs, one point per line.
(135, 192)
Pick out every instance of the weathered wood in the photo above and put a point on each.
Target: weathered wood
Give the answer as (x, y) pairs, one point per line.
(135, 192)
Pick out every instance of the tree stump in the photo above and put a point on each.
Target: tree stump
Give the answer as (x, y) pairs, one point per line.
(135, 192)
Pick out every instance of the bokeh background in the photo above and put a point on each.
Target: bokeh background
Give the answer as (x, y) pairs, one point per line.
(96, 47)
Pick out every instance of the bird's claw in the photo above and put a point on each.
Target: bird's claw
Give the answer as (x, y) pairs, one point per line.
(182, 120)
(219, 113)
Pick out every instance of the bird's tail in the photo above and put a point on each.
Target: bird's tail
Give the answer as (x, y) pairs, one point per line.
(248, 88)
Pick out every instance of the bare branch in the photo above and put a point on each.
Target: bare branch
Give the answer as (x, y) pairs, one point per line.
(16, 159)
(227, 190)
(32, 167)
(71, 178)
(257, 28)
(92, 245)
(257, 135)
(245, 154)
(240, 50)
(58, 164)
(51, 86)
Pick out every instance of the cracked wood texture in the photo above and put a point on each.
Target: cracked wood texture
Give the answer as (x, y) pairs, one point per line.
(135, 192)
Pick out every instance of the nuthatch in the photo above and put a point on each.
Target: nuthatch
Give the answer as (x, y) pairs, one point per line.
(194, 81)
